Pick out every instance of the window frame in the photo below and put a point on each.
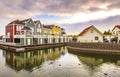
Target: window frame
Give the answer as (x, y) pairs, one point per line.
(96, 38)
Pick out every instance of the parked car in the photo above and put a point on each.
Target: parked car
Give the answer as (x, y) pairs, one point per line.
(114, 40)
(105, 40)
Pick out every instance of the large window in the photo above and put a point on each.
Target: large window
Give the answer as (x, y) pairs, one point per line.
(17, 40)
(96, 38)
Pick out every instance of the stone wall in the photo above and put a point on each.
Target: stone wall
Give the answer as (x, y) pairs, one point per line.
(106, 46)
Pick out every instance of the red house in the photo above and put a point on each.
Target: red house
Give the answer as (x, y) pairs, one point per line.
(13, 28)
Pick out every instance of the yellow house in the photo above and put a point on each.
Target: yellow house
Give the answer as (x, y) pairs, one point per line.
(56, 30)
(52, 30)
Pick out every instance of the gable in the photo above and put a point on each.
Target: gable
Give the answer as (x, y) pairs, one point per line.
(117, 27)
(38, 24)
(92, 32)
(30, 23)
(86, 30)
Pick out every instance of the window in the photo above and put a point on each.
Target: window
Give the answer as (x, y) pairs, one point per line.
(113, 32)
(17, 28)
(96, 38)
(117, 32)
(17, 40)
(22, 32)
(18, 33)
(91, 31)
(39, 25)
(8, 34)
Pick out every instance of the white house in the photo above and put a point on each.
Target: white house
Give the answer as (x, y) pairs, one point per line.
(90, 34)
(116, 32)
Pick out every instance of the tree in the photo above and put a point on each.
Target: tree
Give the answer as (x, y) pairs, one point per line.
(107, 32)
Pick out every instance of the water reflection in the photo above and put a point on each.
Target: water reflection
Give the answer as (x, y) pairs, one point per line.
(100, 65)
(94, 60)
(29, 60)
(58, 62)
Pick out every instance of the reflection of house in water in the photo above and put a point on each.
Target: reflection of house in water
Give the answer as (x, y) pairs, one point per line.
(94, 60)
(91, 61)
(97, 60)
(29, 60)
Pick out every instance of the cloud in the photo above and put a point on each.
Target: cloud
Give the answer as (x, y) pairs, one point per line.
(54, 6)
(115, 5)
(73, 13)
(74, 10)
(3, 23)
(102, 25)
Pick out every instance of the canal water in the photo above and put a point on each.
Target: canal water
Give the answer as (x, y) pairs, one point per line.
(58, 62)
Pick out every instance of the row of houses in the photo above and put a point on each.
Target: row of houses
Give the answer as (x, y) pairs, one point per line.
(28, 32)
(92, 34)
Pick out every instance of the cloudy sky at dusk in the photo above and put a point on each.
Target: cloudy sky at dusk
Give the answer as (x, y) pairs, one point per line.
(73, 15)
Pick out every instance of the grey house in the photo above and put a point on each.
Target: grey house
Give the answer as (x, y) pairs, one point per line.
(29, 22)
(38, 27)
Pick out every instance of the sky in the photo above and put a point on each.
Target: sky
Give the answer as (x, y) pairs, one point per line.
(73, 15)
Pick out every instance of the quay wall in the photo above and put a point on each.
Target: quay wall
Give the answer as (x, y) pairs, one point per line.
(110, 48)
(23, 48)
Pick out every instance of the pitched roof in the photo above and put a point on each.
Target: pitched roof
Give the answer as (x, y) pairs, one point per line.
(19, 21)
(86, 29)
(118, 26)
(16, 22)
(26, 28)
(25, 20)
(37, 21)
(47, 26)
(63, 33)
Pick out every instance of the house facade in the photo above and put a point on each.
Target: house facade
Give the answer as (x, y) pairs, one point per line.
(13, 28)
(29, 22)
(47, 30)
(52, 30)
(56, 30)
(62, 32)
(38, 27)
(28, 32)
(90, 34)
(116, 33)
